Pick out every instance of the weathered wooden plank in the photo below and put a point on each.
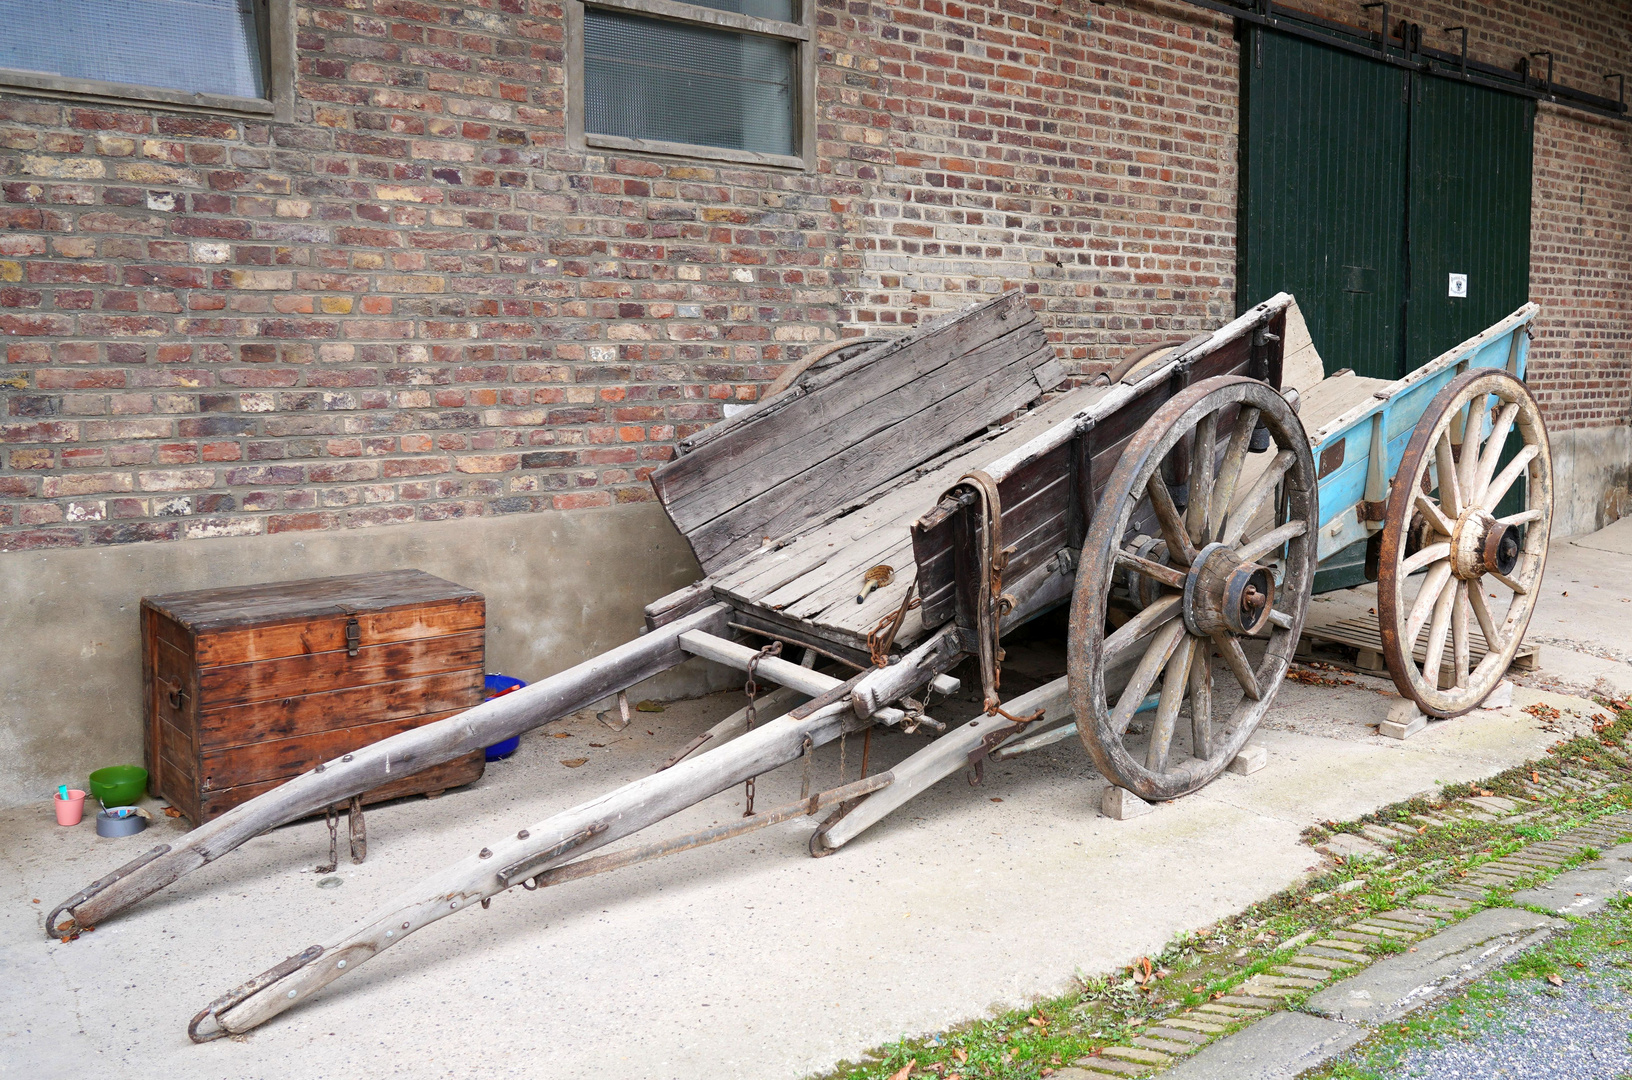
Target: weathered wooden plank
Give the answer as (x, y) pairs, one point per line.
(756, 577)
(835, 601)
(326, 634)
(285, 717)
(705, 483)
(859, 467)
(953, 335)
(781, 453)
(295, 675)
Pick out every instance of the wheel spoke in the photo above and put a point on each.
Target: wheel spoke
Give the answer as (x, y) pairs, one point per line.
(1156, 656)
(1179, 548)
(1280, 619)
(1145, 622)
(1520, 518)
(1487, 625)
(1468, 461)
(1229, 473)
(1271, 540)
(1154, 570)
(1492, 455)
(1432, 585)
(1436, 636)
(1450, 495)
(1174, 681)
(1201, 703)
(1430, 554)
(1430, 510)
(1236, 657)
(1459, 634)
(1201, 479)
(1504, 480)
(1242, 512)
(1512, 583)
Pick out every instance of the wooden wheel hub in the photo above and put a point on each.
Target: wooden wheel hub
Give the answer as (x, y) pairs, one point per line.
(1479, 543)
(1224, 594)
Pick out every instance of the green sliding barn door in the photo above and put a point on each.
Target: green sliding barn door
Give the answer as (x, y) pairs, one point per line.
(1364, 187)
(1323, 157)
(1469, 213)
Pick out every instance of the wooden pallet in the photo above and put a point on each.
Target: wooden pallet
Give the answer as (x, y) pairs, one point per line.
(1362, 635)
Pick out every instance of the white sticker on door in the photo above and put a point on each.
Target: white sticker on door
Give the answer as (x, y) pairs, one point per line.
(1459, 285)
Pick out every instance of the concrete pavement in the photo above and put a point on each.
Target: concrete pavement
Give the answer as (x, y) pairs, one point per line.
(748, 959)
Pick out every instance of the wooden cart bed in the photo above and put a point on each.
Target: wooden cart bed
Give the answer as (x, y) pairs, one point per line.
(788, 506)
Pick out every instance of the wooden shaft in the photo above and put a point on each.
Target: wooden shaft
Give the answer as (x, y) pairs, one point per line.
(598, 822)
(940, 759)
(335, 781)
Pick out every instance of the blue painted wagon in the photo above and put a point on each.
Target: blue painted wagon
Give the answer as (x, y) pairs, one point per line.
(892, 509)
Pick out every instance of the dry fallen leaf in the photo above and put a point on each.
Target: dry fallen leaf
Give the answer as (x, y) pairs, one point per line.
(171, 811)
(996, 799)
(560, 734)
(573, 762)
(1555, 980)
(649, 706)
(904, 1071)
(961, 1054)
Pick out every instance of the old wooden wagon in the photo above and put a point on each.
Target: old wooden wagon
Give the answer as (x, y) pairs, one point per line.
(894, 508)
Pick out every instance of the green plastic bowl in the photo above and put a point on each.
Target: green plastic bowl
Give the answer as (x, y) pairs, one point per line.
(119, 785)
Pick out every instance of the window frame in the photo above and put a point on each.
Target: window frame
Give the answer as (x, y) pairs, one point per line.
(801, 34)
(277, 26)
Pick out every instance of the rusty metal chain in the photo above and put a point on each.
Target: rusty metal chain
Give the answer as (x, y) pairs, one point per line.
(751, 688)
(333, 816)
(809, 753)
(359, 834)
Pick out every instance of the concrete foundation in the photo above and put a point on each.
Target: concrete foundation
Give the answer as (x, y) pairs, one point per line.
(1592, 478)
(560, 587)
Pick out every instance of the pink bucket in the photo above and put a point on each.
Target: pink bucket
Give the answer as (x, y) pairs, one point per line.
(71, 809)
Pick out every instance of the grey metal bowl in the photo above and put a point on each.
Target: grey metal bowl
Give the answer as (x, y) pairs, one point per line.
(107, 825)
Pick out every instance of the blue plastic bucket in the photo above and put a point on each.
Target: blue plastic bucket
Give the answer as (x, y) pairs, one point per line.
(497, 686)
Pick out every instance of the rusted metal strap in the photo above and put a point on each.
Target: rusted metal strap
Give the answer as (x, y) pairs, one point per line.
(686, 750)
(882, 637)
(232, 998)
(519, 871)
(991, 602)
(828, 697)
(990, 742)
(72, 927)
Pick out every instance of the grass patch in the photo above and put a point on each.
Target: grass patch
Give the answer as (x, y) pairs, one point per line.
(1110, 1008)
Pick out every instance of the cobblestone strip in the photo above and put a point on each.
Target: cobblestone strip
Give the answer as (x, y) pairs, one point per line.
(1344, 950)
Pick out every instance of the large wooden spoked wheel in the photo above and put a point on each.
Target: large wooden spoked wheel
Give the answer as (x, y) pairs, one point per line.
(1218, 618)
(1448, 564)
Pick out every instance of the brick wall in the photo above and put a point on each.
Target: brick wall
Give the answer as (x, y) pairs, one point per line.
(416, 302)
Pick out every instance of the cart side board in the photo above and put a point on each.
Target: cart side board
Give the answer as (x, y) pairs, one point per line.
(1360, 447)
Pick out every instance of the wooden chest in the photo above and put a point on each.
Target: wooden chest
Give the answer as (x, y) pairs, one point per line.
(246, 687)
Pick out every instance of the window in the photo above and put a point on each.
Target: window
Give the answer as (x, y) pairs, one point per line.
(223, 54)
(725, 79)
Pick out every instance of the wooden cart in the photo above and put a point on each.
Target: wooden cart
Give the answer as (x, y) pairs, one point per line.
(895, 508)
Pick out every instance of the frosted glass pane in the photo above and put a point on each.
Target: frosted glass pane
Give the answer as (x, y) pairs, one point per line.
(197, 45)
(656, 79)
